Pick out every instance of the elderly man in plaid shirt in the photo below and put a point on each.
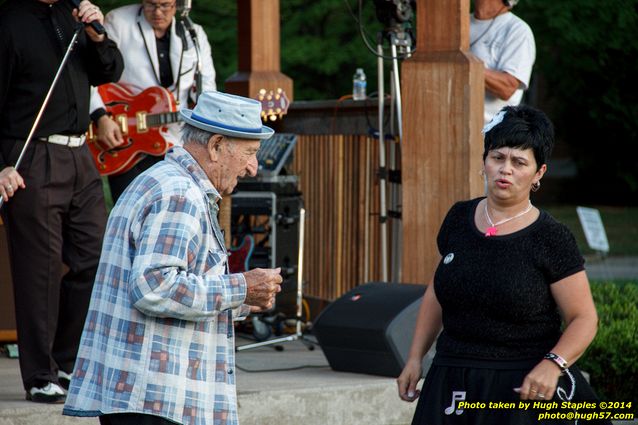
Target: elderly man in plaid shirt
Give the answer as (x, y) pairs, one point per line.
(158, 343)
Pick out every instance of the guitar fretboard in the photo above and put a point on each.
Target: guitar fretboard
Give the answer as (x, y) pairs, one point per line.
(157, 120)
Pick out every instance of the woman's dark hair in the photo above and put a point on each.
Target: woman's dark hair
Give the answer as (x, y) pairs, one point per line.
(523, 127)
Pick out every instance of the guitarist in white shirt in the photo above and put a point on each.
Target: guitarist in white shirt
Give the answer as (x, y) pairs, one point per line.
(157, 51)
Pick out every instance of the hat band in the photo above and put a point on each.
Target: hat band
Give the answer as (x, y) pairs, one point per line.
(224, 126)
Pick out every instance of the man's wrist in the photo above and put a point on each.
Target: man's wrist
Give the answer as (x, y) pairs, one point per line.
(97, 114)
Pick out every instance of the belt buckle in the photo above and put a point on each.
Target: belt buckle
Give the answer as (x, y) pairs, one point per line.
(79, 140)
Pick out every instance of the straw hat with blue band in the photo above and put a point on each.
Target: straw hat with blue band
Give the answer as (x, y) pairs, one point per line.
(227, 114)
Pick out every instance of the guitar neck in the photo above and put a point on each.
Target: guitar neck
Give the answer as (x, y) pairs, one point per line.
(158, 120)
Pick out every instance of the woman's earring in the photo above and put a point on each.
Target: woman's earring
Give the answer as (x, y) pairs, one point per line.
(482, 172)
(536, 186)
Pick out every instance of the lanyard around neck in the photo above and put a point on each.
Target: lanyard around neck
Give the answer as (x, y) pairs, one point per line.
(150, 59)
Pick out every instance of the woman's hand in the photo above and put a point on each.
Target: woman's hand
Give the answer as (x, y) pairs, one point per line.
(540, 383)
(574, 300)
(428, 326)
(408, 379)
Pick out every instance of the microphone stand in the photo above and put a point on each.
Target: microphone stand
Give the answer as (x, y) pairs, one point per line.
(47, 97)
(397, 37)
(299, 333)
(188, 24)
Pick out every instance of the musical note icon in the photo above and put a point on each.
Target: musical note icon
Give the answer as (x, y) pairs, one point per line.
(456, 396)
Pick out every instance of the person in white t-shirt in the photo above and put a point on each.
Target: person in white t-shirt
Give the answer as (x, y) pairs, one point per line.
(505, 43)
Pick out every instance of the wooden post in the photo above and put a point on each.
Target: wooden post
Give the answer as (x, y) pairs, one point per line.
(259, 64)
(259, 52)
(442, 90)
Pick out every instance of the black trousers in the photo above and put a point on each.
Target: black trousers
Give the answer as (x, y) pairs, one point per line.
(58, 218)
(119, 182)
(133, 419)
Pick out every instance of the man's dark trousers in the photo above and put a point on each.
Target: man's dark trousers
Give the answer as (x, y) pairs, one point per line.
(58, 218)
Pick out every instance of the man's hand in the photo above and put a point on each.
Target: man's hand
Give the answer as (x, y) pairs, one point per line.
(10, 182)
(87, 13)
(262, 286)
(108, 132)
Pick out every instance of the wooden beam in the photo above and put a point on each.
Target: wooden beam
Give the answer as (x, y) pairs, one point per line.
(8, 335)
(442, 90)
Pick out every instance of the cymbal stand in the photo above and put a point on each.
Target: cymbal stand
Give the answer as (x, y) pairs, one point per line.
(383, 211)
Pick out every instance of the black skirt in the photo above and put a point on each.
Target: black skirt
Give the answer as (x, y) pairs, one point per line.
(488, 387)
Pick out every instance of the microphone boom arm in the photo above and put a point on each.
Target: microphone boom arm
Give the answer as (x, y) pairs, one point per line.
(190, 27)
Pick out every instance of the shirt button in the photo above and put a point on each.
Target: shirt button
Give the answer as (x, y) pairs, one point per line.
(230, 371)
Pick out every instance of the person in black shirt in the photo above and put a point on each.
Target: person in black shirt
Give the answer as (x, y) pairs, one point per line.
(508, 273)
(54, 206)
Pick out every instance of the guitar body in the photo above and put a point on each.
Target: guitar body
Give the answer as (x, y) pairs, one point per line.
(141, 119)
(239, 259)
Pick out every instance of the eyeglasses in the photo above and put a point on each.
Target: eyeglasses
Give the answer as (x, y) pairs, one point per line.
(164, 7)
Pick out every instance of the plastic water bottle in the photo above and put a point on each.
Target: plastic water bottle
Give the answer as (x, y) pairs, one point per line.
(359, 85)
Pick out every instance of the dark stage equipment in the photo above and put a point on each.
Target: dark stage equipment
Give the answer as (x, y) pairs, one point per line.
(369, 329)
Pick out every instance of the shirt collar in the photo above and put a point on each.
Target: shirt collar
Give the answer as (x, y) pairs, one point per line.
(39, 8)
(185, 160)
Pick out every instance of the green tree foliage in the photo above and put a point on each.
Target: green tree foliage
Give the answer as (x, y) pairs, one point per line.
(320, 42)
(321, 46)
(587, 66)
(588, 57)
(219, 19)
(612, 358)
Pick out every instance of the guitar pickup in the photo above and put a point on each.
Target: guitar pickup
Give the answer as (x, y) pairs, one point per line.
(122, 121)
(142, 127)
(91, 133)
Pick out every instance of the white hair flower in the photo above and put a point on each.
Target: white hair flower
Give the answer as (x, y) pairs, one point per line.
(496, 120)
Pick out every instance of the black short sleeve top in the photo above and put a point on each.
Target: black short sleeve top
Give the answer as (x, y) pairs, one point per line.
(495, 291)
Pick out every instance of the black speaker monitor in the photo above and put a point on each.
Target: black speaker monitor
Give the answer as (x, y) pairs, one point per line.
(370, 328)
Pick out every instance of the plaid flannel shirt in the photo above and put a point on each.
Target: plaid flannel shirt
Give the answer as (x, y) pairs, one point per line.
(158, 337)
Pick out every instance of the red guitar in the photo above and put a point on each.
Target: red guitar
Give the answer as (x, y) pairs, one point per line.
(141, 118)
(239, 259)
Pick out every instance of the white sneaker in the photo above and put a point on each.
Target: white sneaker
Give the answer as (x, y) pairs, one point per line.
(51, 393)
(64, 379)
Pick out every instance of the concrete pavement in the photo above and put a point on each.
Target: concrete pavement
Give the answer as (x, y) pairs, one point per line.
(289, 387)
(309, 392)
(612, 268)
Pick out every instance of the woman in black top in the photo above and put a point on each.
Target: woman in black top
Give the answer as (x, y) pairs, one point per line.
(508, 273)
